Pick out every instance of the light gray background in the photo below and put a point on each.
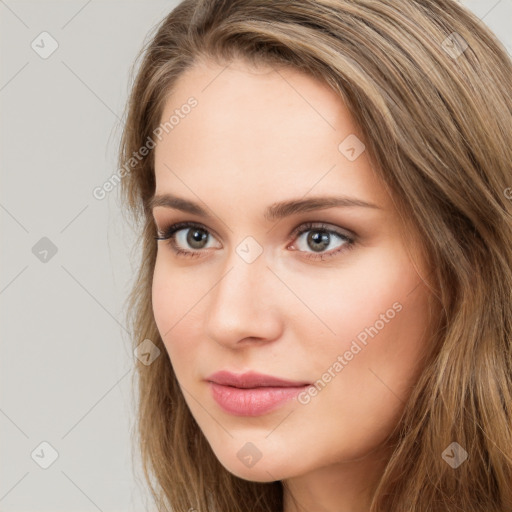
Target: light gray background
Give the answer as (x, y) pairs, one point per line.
(65, 355)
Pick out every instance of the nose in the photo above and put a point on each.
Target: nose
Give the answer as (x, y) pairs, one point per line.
(244, 307)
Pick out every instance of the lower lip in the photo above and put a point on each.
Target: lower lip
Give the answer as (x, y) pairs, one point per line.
(252, 401)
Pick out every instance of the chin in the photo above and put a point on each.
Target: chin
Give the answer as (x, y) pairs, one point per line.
(254, 474)
(262, 471)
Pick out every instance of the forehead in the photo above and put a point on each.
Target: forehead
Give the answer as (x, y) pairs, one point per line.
(260, 132)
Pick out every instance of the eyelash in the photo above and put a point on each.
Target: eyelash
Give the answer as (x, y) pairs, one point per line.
(168, 233)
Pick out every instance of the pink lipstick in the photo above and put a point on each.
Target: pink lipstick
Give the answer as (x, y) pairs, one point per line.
(251, 393)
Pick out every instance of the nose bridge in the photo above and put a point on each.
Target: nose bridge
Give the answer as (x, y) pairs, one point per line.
(245, 270)
(243, 283)
(240, 304)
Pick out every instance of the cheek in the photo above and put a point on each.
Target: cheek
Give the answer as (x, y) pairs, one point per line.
(176, 300)
(378, 310)
(376, 295)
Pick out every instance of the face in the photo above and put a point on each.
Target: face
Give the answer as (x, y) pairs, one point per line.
(292, 266)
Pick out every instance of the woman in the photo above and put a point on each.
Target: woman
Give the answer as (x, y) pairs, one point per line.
(325, 283)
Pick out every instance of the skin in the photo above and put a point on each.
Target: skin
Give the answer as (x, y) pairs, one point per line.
(260, 136)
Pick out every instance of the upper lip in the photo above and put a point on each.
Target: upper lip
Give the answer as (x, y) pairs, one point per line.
(252, 380)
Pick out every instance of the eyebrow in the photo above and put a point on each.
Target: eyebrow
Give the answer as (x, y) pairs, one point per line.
(273, 212)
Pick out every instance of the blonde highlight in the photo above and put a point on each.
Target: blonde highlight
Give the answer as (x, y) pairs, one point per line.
(439, 131)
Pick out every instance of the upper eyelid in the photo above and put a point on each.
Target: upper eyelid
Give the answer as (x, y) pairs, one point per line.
(309, 225)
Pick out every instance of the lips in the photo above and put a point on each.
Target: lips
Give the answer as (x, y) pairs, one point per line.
(251, 393)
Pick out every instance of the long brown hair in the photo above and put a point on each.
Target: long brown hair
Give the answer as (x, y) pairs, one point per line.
(431, 88)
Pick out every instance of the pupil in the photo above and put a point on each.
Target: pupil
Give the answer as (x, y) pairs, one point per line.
(319, 237)
(195, 237)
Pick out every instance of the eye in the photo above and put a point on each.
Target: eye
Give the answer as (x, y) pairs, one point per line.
(322, 240)
(184, 236)
(193, 240)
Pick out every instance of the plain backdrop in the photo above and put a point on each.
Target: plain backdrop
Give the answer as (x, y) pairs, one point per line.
(66, 260)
